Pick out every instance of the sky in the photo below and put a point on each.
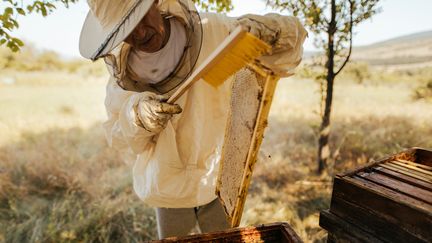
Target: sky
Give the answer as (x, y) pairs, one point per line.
(60, 31)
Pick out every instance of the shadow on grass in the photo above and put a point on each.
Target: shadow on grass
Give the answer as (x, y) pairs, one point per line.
(67, 185)
(309, 206)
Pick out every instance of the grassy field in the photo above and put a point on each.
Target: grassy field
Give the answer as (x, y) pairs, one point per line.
(60, 183)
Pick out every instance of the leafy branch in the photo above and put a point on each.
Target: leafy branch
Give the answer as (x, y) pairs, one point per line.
(215, 5)
(13, 9)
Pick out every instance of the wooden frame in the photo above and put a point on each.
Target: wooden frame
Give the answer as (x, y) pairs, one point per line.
(279, 232)
(261, 124)
(269, 87)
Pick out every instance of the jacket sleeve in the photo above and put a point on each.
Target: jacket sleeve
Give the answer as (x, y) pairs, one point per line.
(121, 130)
(286, 35)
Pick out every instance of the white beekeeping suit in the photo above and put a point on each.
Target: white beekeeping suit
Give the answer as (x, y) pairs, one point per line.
(177, 166)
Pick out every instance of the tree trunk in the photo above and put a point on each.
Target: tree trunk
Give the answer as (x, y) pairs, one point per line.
(324, 132)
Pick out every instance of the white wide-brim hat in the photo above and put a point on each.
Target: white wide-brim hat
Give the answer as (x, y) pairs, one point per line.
(108, 23)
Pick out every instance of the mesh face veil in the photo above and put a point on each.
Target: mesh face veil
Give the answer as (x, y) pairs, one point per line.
(187, 14)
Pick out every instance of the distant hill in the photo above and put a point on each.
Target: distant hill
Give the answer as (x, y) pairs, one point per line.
(409, 49)
(427, 35)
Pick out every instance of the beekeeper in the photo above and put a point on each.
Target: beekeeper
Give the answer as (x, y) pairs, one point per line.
(150, 48)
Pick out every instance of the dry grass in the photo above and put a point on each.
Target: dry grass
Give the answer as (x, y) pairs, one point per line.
(60, 183)
(65, 185)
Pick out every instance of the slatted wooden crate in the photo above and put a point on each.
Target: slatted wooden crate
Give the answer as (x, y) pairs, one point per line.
(386, 201)
(266, 233)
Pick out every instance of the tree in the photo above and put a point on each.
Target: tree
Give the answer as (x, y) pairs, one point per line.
(12, 9)
(215, 5)
(333, 24)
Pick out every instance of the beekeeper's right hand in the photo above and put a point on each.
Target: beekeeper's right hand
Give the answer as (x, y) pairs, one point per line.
(153, 113)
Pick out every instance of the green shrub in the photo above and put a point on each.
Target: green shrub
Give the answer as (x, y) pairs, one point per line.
(357, 71)
(424, 92)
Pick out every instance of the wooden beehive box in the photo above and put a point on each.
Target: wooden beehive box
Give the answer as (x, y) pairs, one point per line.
(385, 201)
(266, 233)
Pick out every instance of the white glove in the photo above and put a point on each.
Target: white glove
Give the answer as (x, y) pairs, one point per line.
(153, 113)
(264, 28)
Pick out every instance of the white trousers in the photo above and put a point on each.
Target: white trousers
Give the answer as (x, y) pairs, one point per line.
(182, 221)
